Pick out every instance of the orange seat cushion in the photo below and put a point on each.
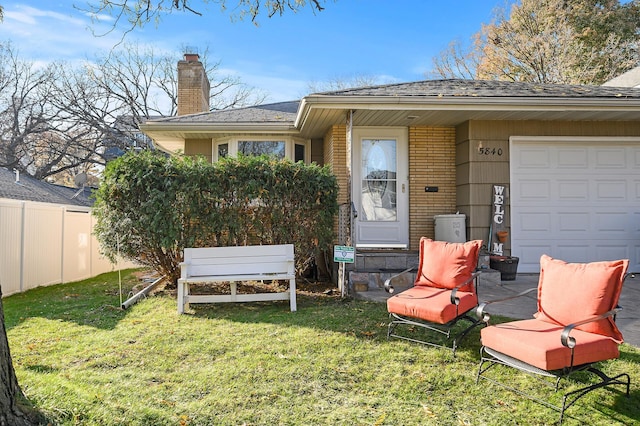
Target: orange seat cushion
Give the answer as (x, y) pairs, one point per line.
(570, 292)
(447, 265)
(430, 304)
(538, 343)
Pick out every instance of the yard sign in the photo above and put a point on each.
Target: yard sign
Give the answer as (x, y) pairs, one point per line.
(343, 254)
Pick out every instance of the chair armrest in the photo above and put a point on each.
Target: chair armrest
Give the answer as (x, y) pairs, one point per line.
(569, 341)
(454, 299)
(387, 283)
(485, 316)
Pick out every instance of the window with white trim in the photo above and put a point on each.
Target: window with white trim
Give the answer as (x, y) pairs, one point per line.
(294, 149)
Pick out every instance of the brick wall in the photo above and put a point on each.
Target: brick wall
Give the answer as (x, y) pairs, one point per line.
(335, 154)
(432, 156)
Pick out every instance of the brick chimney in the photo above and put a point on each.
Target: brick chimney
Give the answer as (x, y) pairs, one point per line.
(193, 85)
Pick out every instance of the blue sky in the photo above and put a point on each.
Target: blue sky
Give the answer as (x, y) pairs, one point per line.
(393, 41)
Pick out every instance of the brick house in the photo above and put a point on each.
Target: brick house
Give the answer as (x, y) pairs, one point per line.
(568, 158)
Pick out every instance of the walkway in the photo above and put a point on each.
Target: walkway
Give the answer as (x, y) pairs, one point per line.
(628, 320)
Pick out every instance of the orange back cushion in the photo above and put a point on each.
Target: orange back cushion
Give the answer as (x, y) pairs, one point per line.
(570, 292)
(447, 265)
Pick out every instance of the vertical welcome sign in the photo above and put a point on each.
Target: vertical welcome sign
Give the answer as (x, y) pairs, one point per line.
(498, 231)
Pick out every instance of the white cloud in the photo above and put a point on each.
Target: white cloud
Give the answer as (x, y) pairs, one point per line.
(19, 16)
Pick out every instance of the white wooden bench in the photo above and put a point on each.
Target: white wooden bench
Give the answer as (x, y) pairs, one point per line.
(234, 264)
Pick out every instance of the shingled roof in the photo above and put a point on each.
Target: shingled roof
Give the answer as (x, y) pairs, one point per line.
(30, 189)
(281, 112)
(487, 89)
(285, 112)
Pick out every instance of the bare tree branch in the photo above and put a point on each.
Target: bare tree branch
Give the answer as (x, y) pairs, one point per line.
(138, 13)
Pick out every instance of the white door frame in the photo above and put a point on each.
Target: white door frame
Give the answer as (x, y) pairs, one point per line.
(382, 234)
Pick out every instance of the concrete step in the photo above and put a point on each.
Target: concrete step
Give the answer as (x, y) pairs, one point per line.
(360, 281)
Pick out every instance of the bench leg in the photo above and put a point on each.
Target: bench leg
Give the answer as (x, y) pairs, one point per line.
(183, 290)
(292, 295)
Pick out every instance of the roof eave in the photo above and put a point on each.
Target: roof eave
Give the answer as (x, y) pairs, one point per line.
(451, 103)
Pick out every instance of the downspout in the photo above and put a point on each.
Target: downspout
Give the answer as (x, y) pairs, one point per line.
(142, 293)
(352, 212)
(349, 160)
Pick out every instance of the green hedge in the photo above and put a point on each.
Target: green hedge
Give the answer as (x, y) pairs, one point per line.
(149, 207)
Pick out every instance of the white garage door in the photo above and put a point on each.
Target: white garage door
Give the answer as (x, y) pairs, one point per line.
(576, 199)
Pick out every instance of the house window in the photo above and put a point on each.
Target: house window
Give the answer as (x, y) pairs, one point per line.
(298, 154)
(223, 150)
(282, 147)
(270, 148)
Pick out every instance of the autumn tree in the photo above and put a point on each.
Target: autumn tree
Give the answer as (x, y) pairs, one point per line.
(549, 41)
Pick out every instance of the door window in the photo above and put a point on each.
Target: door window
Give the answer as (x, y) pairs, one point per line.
(379, 184)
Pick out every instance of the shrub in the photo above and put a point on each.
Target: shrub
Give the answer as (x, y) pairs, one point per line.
(149, 207)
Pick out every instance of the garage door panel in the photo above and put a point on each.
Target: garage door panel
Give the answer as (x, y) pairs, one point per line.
(572, 252)
(610, 158)
(573, 190)
(535, 222)
(571, 158)
(534, 190)
(635, 224)
(572, 222)
(530, 256)
(612, 252)
(635, 252)
(579, 200)
(611, 190)
(612, 222)
(535, 158)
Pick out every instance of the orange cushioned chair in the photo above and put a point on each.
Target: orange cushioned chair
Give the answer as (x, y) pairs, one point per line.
(444, 292)
(573, 328)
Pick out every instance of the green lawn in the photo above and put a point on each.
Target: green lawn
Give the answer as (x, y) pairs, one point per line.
(83, 361)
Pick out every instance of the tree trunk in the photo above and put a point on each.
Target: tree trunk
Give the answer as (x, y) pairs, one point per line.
(15, 410)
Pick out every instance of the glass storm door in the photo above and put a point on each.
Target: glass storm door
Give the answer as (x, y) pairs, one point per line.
(380, 187)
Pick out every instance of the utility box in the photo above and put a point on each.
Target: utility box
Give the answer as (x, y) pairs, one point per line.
(450, 228)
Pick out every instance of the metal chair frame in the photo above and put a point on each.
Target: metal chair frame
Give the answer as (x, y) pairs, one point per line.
(493, 357)
(444, 329)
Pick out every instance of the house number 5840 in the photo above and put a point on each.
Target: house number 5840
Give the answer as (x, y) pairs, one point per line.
(489, 151)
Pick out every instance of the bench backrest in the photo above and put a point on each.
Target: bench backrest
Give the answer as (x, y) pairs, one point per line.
(239, 260)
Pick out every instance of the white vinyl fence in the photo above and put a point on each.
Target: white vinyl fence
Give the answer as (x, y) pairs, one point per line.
(43, 244)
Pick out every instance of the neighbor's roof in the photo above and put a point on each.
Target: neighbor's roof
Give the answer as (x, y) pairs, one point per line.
(30, 189)
(630, 78)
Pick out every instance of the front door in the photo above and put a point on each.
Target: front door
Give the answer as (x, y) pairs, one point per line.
(380, 187)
